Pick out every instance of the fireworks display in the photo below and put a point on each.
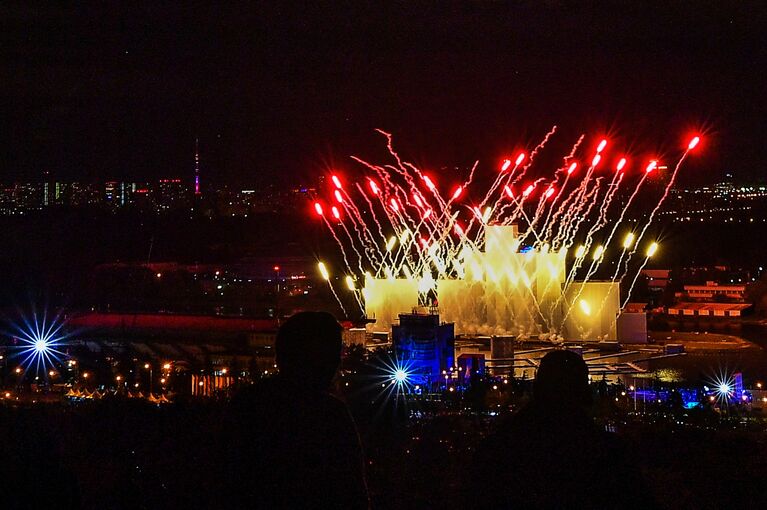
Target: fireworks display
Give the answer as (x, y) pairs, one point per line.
(518, 256)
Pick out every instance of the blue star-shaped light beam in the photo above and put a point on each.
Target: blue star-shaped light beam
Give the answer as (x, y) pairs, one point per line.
(39, 341)
(724, 387)
(396, 378)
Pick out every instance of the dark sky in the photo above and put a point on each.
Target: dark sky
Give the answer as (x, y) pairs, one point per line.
(107, 90)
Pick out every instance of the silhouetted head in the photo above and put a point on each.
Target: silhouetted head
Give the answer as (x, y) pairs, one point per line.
(562, 380)
(308, 348)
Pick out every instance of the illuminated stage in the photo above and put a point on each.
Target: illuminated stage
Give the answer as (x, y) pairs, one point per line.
(503, 292)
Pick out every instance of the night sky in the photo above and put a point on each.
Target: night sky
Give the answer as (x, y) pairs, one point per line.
(101, 91)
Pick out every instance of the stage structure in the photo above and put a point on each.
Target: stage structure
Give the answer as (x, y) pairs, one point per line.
(502, 292)
(424, 345)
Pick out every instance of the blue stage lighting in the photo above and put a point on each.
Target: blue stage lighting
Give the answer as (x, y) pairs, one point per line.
(39, 341)
(727, 387)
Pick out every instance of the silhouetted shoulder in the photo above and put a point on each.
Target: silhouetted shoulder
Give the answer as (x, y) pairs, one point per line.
(297, 448)
(552, 454)
(294, 444)
(534, 462)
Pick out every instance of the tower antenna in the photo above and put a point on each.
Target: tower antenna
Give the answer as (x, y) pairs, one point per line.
(196, 166)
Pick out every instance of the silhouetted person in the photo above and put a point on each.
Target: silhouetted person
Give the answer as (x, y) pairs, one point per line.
(297, 445)
(551, 454)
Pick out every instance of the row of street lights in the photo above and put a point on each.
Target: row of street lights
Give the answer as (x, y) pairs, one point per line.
(119, 378)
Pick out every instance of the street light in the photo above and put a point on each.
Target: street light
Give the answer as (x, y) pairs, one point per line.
(277, 290)
(147, 366)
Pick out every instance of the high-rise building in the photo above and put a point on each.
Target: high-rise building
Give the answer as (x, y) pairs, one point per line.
(112, 193)
(119, 194)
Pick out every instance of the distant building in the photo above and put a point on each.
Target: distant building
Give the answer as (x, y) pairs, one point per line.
(657, 278)
(713, 291)
(355, 336)
(172, 194)
(77, 194)
(709, 309)
(114, 194)
(7, 202)
(29, 196)
(632, 327)
(141, 196)
(723, 202)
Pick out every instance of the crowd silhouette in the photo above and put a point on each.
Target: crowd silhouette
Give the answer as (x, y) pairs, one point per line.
(288, 442)
(297, 446)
